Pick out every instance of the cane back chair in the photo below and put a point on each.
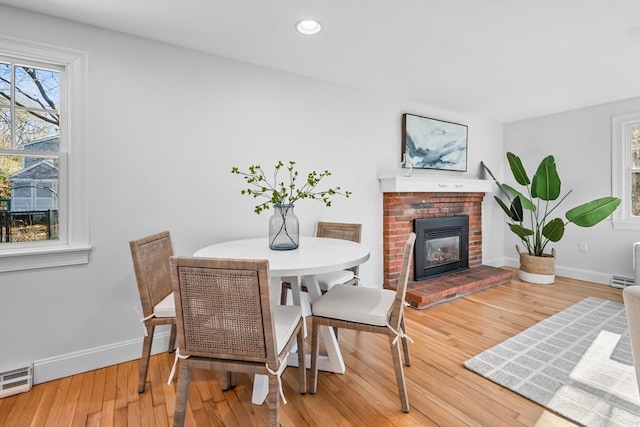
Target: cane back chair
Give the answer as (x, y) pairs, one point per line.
(333, 230)
(151, 265)
(226, 322)
(370, 310)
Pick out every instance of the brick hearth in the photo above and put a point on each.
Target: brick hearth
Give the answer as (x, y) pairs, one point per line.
(399, 211)
(432, 291)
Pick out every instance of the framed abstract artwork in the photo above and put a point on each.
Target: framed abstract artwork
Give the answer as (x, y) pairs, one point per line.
(433, 144)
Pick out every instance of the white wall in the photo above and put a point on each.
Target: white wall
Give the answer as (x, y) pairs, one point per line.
(580, 142)
(165, 127)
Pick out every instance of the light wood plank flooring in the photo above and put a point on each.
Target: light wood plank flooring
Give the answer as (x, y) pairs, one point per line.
(441, 391)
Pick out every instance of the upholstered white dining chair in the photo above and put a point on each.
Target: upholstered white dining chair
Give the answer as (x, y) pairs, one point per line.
(367, 309)
(151, 265)
(227, 322)
(332, 230)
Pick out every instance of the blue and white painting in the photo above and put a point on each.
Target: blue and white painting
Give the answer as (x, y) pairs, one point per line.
(434, 144)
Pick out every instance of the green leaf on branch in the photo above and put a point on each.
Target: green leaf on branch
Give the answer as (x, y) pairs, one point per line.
(518, 171)
(554, 230)
(516, 210)
(500, 185)
(521, 231)
(546, 182)
(504, 207)
(524, 200)
(593, 212)
(278, 192)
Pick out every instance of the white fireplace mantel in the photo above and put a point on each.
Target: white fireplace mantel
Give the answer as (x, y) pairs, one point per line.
(431, 184)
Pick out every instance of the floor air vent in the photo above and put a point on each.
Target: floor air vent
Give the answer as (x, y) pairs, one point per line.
(621, 282)
(16, 381)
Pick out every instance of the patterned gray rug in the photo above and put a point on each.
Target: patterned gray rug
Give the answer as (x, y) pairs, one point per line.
(576, 363)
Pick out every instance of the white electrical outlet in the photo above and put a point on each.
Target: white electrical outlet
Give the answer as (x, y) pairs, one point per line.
(582, 247)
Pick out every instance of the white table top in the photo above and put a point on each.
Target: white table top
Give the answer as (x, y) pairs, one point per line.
(314, 255)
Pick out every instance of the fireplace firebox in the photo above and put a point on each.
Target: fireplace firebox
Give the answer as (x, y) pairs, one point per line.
(442, 246)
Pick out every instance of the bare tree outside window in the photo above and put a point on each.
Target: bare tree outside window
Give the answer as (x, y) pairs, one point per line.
(29, 156)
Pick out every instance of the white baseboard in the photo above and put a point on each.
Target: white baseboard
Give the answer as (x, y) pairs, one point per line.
(496, 262)
(573, 273)
(587, 275)
(511, 262)
(68, 364)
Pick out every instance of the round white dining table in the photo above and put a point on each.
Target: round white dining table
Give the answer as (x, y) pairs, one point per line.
(315, 255)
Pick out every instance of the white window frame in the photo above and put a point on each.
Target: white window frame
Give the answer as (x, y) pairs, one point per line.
(621, 170)
(73, 246)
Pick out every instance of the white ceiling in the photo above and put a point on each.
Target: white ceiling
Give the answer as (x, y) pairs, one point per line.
(497, 59)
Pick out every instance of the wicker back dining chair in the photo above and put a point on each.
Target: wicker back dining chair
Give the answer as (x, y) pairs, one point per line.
(367, 309)
(332, 230)
(227, 322)
(151, 265)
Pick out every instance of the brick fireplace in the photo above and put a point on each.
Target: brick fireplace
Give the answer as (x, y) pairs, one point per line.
(403, 201)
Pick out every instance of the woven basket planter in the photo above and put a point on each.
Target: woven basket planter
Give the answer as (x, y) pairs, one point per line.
(537, 269)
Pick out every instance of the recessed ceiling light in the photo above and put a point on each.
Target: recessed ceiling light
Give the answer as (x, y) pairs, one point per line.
(308, 26)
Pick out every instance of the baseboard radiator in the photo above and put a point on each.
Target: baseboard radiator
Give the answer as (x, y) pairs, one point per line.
(621, 281)
(16, 381)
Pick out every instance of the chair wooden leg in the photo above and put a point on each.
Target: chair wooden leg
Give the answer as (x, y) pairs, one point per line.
(283, 294)
(315, 351)
(397, 367)
(228, 380)
(144, 359)
(302, 370)
(405, 345)
(172, 338)
(273, 402)
(182, 393)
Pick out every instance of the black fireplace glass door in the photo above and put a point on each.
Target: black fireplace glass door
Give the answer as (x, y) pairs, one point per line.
(442, 246)
(442, 250)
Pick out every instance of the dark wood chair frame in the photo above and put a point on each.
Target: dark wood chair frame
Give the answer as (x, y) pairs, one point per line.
(151, 266)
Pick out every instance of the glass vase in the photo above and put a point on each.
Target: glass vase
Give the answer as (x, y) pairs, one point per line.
(284, 229)
(406, 167)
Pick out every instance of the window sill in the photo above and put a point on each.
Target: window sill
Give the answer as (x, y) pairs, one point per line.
(29, 259)
(626, 224)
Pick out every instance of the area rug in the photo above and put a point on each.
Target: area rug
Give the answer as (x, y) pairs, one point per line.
(577, 363)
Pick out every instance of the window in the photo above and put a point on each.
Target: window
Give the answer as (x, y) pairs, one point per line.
(30, 120)
(43, 209)
(626, 170)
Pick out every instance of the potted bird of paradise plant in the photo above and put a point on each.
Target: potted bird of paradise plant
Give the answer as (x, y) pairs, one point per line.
(531, 215)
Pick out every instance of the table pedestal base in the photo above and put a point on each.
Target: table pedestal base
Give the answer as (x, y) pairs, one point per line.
(332, 362)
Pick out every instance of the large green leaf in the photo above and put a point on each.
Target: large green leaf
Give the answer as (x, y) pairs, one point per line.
(526, 202)
(521, 231)
(554, 230)
(591, 213)
(488, 170)
(504, 207)
(516, 210)
(517, 169)
(546, 182)
(500, 185)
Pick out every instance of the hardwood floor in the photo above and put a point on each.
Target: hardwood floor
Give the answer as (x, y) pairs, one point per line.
(441, 391)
